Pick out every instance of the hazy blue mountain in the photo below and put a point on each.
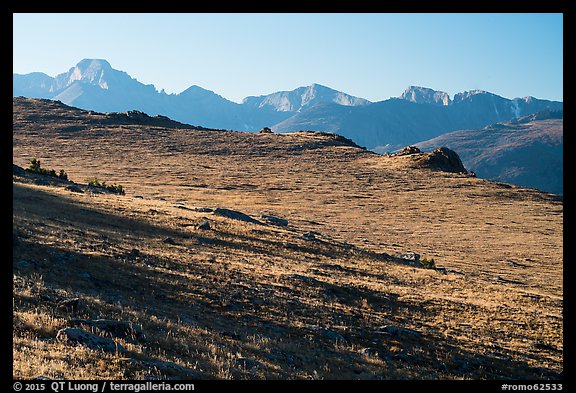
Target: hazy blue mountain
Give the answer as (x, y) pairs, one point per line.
(527, 151)
(36, 84)
(93, 84)
(302, 98)
(418, 114)
(394, 122)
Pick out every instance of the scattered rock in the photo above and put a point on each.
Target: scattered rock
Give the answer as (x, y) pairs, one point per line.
(304, 278)
(75, 188)
(134, 254)
(281, 222)
(372, 352)
(407, 150)
(310, 236)
(138, 197)
(172, 368)
(115, 328)
(169, 240)
(331, 266)
(203, 209)
(204, 225)
(442, 270)
(409, 256)
(505, 280)
(70, 305)
(235, 215)
(515, 264)
(397, 331)
(87, 339)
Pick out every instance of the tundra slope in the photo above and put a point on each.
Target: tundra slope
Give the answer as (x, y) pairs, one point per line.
(322, 297)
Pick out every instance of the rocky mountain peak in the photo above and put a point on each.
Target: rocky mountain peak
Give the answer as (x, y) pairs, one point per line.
(424, 95)
(467, 94)
(96, 72)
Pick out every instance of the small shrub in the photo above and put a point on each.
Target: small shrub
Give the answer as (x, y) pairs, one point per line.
(36, 167)
(115, 188)
(428, 263)
(94, 182)
(62, 175)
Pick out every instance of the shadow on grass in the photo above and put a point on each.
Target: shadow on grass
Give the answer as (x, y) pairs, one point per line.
(299, 318)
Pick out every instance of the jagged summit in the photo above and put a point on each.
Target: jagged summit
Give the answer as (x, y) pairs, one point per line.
(93, 71)
(459, 97)
(425, 95)
(93, 64)
(303, 97)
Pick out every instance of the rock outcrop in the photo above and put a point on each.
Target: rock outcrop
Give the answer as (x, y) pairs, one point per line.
(442, 159)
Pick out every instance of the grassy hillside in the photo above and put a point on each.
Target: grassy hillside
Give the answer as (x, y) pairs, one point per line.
(199, 292)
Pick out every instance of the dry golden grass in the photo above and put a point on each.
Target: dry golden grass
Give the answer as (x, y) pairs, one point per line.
(249, 301)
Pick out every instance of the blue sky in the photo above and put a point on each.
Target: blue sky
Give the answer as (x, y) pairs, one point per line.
(374, 56)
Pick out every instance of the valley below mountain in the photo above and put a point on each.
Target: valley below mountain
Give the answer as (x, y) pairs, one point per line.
(234, 255)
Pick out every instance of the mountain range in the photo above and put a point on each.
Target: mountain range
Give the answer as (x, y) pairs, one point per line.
(418, 114)
(473, 123)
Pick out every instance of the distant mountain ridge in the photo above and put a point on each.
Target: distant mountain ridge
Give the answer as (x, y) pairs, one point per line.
(302, 98)
(418, 114)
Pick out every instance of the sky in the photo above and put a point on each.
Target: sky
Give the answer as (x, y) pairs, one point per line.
(370, 55)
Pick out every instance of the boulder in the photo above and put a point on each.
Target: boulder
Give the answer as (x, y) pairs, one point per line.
(71, 305)
(204, 225)
(397, 331)
(235, 215)
(112, 327)
(408, 256)
(82, 337)
(203, 209)
(442, 159)
(281, 222)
